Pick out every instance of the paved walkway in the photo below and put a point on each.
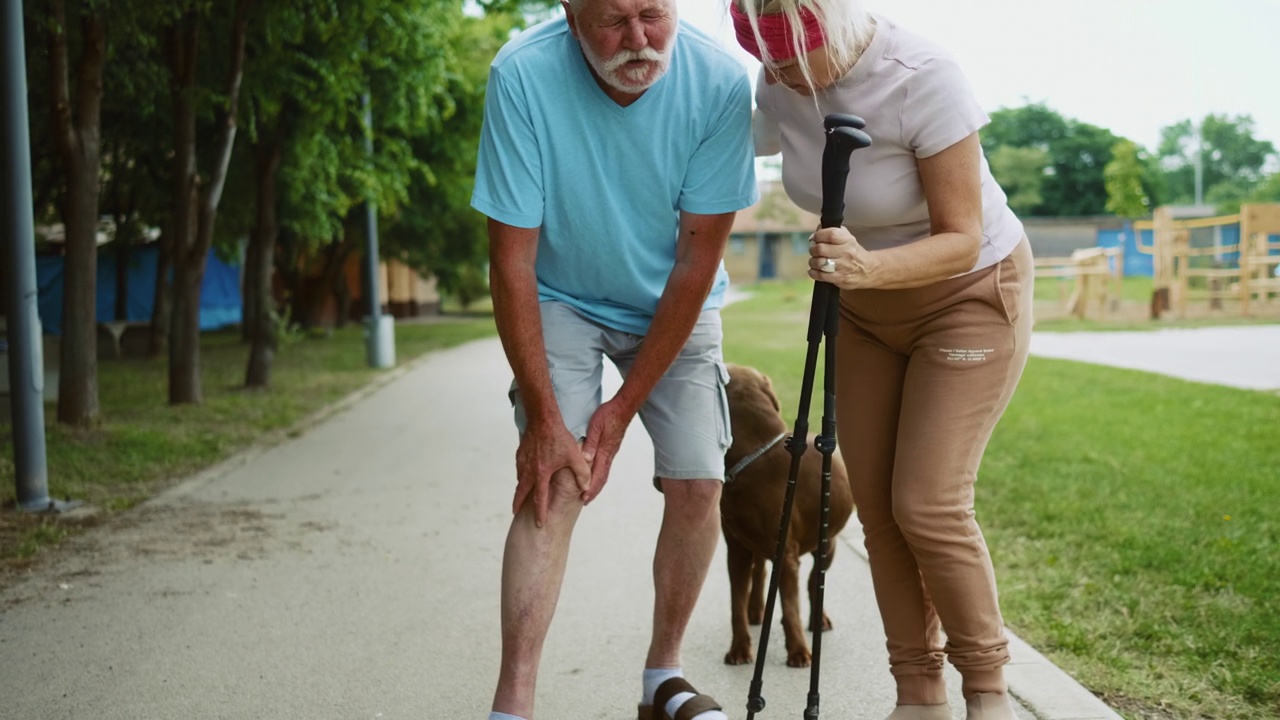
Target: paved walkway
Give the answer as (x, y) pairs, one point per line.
(352, 572)
(1246, 356)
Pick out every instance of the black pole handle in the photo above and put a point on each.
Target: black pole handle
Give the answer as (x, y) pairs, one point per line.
(842, 140)
(835, 120)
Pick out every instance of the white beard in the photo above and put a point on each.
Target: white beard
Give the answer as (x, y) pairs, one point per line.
(616, 74)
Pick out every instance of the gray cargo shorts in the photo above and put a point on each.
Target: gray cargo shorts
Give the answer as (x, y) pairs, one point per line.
(686, 415)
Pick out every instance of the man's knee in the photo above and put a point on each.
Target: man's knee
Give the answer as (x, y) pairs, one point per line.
(563, 492)
(693, 498)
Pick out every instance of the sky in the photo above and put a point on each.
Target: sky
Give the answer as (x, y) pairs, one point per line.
(1129, 66)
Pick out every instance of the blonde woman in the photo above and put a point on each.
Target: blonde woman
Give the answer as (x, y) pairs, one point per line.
(935, 281)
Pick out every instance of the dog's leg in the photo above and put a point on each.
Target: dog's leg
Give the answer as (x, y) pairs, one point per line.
(789, 591)
(740, 563)
(813, 590)
(759, 583)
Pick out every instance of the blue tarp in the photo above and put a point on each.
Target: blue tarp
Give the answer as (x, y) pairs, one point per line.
(220, 299)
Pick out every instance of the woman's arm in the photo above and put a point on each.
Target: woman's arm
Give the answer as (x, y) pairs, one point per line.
(952, 184)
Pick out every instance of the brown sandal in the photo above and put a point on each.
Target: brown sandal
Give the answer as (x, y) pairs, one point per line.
(689, 709)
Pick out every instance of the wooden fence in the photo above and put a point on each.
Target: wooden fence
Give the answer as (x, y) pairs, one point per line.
(1243, 271)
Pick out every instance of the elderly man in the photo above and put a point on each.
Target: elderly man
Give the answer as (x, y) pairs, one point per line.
(616, 149)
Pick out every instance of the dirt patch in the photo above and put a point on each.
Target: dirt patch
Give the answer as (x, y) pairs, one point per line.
(26, 539)
(164, 531)
(1140, 710)
(188, 529)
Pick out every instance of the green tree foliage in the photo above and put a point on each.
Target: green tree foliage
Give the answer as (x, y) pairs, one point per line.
(1126, 196)
(226, 121)
(396, 57)
(1077, 152)
(1078, 186)
(1232, 159)
(437, 230)
(1228, 197)
(421, 67)
(1032, 125)
(1021, 173)
(520, 8)
(1267, 191)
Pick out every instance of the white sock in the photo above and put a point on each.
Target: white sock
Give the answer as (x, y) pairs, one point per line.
(503, 716)
(653, 677)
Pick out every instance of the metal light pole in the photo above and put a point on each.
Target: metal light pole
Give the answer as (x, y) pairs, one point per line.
(1199, 163)
(379, 328)
(17, 233)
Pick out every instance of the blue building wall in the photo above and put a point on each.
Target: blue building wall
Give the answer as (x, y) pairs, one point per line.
(1135, 262)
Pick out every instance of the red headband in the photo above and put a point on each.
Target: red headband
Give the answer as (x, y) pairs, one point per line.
(776, 32)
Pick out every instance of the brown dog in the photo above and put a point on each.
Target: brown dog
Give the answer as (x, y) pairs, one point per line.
(751, 513)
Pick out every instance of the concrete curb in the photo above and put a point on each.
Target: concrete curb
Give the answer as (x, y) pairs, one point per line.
(1046, 690)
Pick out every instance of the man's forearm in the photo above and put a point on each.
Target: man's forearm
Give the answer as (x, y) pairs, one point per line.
(698, 259)
(677, 313)
(513, 285)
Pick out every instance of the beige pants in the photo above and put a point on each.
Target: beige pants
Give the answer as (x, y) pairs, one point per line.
(923, 375)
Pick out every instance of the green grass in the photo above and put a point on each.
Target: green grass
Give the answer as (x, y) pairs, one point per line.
(1133, 310)
(1134, 521)
(1135, 288)
(141, 444)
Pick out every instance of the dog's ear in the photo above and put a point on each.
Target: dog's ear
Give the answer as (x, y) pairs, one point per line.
(773, 396)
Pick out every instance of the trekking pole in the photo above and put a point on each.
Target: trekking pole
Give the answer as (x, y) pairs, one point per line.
(844, 135)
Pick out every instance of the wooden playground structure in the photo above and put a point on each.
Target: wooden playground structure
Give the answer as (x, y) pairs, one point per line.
(1230, 261)
(1188, 268)
(1097, 273)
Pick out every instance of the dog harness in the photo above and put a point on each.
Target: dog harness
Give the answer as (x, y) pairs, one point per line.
(744, 462)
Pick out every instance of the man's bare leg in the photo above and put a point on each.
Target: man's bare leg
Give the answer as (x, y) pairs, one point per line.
(533, 566)
(686, 543)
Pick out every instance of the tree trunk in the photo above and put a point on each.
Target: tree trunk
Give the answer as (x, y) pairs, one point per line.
(248, 296)
(162, 306)
(181, 45)
(259, 261)
(288, 268)
(191, 253)
(184, 336)
(78, 136)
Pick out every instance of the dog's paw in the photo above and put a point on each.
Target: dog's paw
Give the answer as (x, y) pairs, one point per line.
(799, 658)
(739, 654)
(755, 616)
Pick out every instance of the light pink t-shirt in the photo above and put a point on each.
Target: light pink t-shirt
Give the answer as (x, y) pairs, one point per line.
(916, 103)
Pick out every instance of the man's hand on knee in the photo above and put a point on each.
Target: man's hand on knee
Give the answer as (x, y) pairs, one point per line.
(543, 452)
(604, 437)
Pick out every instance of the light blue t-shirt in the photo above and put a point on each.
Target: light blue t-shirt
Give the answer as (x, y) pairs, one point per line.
(606, 184)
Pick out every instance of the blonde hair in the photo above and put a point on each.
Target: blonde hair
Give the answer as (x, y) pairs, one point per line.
(845, 24)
